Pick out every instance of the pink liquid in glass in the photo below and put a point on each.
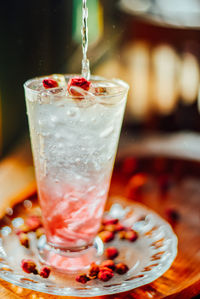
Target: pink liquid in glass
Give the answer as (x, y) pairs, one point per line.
(73, 220)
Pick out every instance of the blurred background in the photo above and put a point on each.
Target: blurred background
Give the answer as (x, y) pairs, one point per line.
(152, 44)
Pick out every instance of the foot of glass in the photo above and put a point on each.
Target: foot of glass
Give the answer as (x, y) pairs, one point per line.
(69, 260)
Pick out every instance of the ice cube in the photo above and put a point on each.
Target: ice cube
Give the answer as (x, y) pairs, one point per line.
(85, 98)
(100, 90)
(36, 85)
(51, 95)
(56, 91)
(60, 79)
(103, 88)
(80, 92)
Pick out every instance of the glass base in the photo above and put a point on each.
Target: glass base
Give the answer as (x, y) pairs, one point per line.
(69, 260)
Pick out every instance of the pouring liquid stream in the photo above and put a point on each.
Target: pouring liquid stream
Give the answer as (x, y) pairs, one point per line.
(84, 31)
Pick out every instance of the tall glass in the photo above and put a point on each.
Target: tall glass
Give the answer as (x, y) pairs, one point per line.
(74, 142)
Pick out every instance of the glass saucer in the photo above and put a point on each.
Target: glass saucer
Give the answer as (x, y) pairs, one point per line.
(148, 257)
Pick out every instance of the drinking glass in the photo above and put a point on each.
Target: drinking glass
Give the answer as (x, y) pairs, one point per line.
(74, 141)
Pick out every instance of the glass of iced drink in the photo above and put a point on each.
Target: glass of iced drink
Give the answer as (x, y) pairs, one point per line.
(74, 127)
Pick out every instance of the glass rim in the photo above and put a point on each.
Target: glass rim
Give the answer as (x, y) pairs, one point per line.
(124, 87)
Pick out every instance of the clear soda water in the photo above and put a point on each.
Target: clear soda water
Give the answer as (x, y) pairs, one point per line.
(74, 142)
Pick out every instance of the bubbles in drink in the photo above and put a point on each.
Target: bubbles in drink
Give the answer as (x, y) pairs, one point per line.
(60, 146)
(72, 112)
(54, 119)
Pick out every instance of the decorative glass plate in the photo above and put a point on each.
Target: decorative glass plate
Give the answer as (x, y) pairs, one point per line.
(148, 257)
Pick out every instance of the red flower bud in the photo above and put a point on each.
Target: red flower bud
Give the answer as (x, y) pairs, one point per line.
(122, 234)
(83, 278)
(93, 271)
(121, 268)
(108, 264)
(110, 227)
(45, 272)
(24, 240)
(119, 227)
(131, 235)
(35, 272)
(49, 83)
(106, 236)
(111, 253)
(78, 82)
(107, 221)
(105, 274)
(28, 266)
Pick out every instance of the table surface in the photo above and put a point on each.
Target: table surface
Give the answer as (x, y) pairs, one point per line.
(182, 280)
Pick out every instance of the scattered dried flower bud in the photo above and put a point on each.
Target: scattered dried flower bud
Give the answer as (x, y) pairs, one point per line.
(24, 240)
(93, 271)
(28, 266)
(33, 222)
(136, 185)
(119, 227)
(129, 165)
(110, 227)
(172, 214)
(39, 232)
(121, 268)
(105, 269)
(49, 83)
(35, 272)
(83, 278)
(79, 82)
(106, 236)
(111, 253)
(45, 272)
(131, 235)
(122, 234)
(107, 221)
(109, 264)
(105, 274)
